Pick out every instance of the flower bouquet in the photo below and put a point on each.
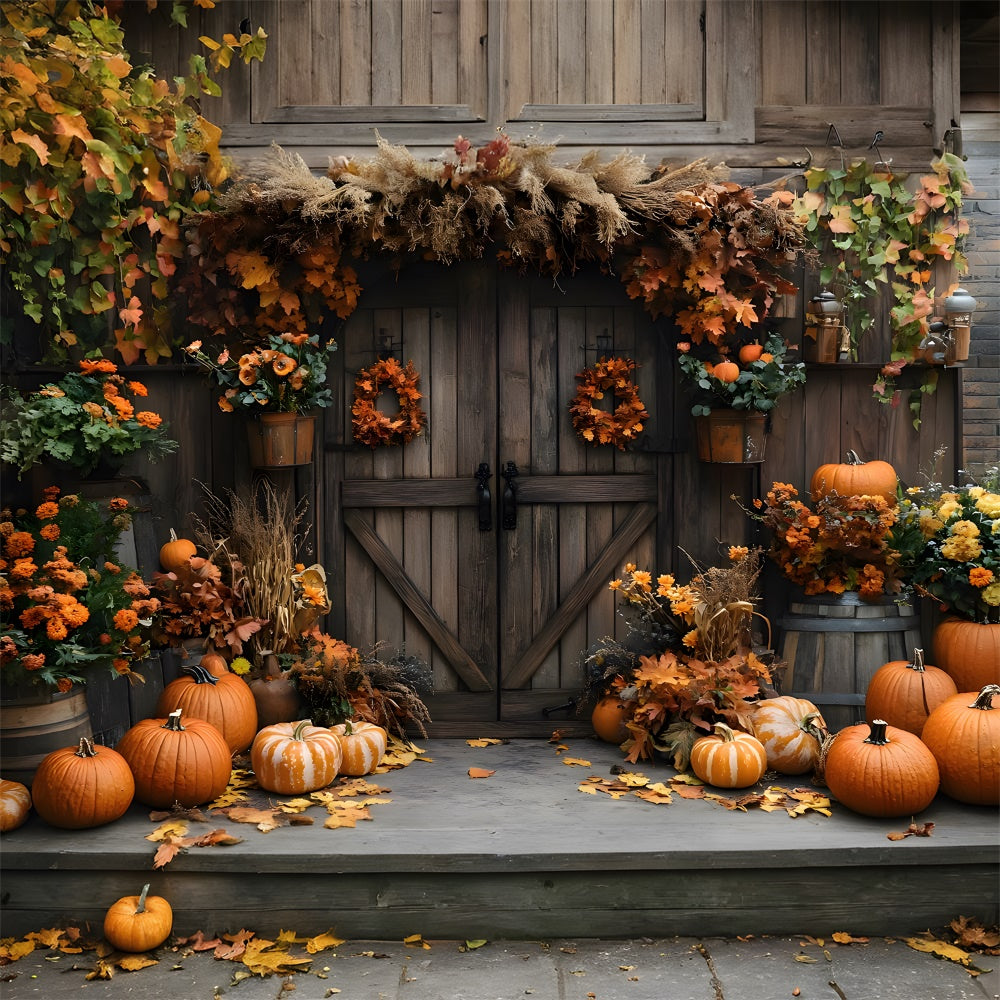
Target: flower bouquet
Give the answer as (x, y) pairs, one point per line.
(67, 605)
(87, 417)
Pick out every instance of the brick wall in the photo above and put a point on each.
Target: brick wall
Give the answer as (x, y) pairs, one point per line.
(981, 377)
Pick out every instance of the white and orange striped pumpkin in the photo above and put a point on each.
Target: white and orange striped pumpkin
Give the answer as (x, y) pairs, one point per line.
(15, 804)
(363, 745)
(295, 757)
(728, 758)
(792, 731)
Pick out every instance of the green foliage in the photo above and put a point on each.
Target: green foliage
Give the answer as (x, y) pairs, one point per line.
(102, 164)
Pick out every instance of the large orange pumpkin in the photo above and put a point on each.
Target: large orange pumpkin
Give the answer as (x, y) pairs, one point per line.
(295, 757)
(76, 788)
(963, 733)
(188, 763)
(728, 758)
(791, 730)
(878, 770)
(362, 746)
(905, 692)
(15, 804)
(610, 718)
(226, 701)
(854, 477)
(969, 652)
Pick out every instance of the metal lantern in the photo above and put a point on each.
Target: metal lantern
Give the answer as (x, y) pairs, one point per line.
(824, 328)
(958, 308)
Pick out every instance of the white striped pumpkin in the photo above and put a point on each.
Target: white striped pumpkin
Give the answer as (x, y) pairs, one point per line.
(792, 731)
(363, 746)
(728, 758)
(295, 757)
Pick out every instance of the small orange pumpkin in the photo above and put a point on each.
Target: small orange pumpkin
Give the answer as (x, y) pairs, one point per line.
(969, 652)
(138, 923)
(750, 353)
(878, 770)
(77, 788)
(176, 553)
(728, 758)
(225, 701)
(905, 693)
(726, 371)
(15, 804)
(855, 477)
(292, 758)
(610, 719)
(362, 747)
(188, 763)
(791, 730)
(965, 741)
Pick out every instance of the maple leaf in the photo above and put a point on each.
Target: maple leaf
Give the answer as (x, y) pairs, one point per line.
(253, 268)
(132, 963)
(323, 941)
(236, 947)
(972, 934)
(33, 142)
(345, 814)
(198, 942)
(166, 852)
(260, 959)
(173, 828)
(485, 741)
(265, 820)
(576, 762)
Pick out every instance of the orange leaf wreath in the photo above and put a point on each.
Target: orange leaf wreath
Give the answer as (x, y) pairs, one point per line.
(371, 426)
(603, 426)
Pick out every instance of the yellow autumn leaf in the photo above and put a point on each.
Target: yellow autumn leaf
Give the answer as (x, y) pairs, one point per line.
(485, 741)
(295, 805)
(15, 950)
(473, 945)
(633, 779)
(260, 959)
(942, 949)
(589, 789)
(133, 963)
(172, 828)
(323, 941)
(576, 762)
(805, 958)
(416, 941)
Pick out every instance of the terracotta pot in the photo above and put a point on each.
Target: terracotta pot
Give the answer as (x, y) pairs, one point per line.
(279, 440)
(734, 437)
(276, 695)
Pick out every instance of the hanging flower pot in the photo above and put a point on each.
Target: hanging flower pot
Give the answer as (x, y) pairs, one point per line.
(731, 436)
(279, 440)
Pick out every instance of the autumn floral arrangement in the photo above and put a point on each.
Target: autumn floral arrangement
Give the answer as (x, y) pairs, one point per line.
(956, 560)
(88, 416)
(618, 424)
(68, 605)
(840, 543)
(698, 666)
(754, 378)
(284, 374)
(370, 425)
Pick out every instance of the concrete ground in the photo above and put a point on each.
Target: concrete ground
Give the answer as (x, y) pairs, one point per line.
(766, 968)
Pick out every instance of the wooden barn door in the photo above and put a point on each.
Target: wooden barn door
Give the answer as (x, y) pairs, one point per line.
(500, 594)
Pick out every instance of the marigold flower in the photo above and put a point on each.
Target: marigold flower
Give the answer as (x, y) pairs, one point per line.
(64, 684)
(691, 639)
(615, 585)
(113, 568)
(91, 367)
(125, 620)
(980, 576)
(138, 389)
(121, 665)
(19, 543)
(51, 493)
(991, 595)
(960, 548)
(149, 419)
(737, 552)
(122, 407)
(55, 628)
(104, 639)
(33, 661)
(50, 532)
(23, 569)
(95, 411)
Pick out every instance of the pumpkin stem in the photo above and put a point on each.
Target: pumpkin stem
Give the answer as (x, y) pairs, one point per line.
(853, 458)
(877, 737)
(86, 748)
(725, 732)
(201, 675)
(918, 661)
(173, 535)
(300, 728)
(174, 722)
(984, 700)
(141, 908)
(813, 728)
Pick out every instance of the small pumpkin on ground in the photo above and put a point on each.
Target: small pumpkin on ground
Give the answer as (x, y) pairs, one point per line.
(176, 553)
(905, 692)
(855, 477)
(225, 701)
(728, 758)
(15, 804)
(138, 923)
(963, 734)
(362, 746)
(292, 758)
(77, 788)
(609, 719)
(878, 770)
(188, 763)
(969, 652)
(792, 731)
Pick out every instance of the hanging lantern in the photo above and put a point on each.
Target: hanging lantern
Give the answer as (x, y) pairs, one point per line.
(958, 308)
(824, 329)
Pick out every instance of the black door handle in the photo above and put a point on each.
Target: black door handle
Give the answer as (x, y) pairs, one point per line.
(484, 498)
(508, 502)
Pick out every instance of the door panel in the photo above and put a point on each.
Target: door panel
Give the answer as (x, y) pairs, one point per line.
(501, 615)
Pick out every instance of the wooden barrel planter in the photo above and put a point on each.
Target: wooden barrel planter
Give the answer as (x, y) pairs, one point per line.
(280, 440)
(33, 723)
(733, 437)
(832, 645)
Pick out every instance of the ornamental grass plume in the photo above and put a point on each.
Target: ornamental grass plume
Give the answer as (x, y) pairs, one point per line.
(67, 604)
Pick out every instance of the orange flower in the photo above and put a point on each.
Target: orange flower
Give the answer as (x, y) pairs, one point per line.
(283, 365)
(121, 665)
(980, 576)
(149, 419)
(51, 492)
(95, 411)
(19, 543)
(89, 367)
(50, 532)
(248, 375)
(64, 684)
(296, 339)
(117, 503)
(138, 389)
(33, 661)
(225, 405)
(126, 620)
(123, 407)
(113, 568)
(23, 569)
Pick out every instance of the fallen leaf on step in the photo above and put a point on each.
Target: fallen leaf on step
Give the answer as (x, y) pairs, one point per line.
(480, 772)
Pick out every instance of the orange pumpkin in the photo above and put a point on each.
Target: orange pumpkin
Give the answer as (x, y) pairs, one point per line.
(969, 652)
(176, 553)
(77, 788)
(905, 693)
(610, 719)
(878, 770)
(726, 371)
(225, 701)
(728, 758)
(963, 734)
(750, 353)
(15, 804)
(362, 747)
(188, 763)
(216, 664)
(295, 757)
(855, 478)
(791, 731)
(138, 923)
